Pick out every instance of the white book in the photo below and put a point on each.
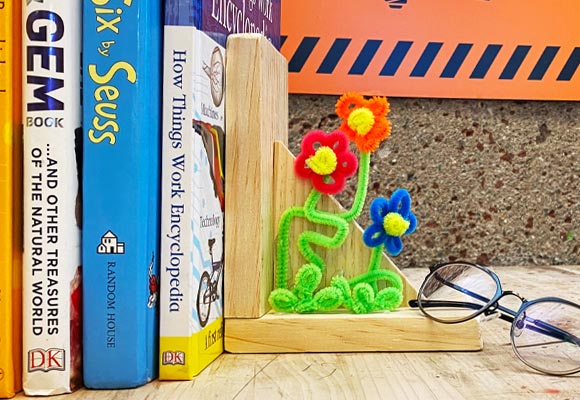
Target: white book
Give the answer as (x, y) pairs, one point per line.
(52, 131)
(191, 295)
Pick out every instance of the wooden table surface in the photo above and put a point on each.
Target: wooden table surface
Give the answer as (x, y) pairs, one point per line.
(494, 373)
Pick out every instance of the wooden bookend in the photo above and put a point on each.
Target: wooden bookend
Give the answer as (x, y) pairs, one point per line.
(256, 116)
(261, 184)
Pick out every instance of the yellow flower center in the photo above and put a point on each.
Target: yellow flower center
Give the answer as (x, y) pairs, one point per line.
(361, 120)
(323, 162)
(395, 225)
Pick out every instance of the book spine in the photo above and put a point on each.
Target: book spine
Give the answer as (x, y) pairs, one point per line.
(51, 265)
(10, 198)
(191, 329)
(176, 359)
(183, 12)
(122, 42)
(220, 18)
(209, 198)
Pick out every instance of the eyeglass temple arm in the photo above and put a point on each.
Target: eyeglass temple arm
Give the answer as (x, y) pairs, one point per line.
(538, 326)
(505, 313)
(459, 304)
(551, 330)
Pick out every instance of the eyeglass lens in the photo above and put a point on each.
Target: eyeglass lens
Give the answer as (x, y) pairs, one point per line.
(462, 289)
(546, 336)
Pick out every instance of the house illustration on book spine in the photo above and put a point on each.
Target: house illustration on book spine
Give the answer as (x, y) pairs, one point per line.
(110, 244)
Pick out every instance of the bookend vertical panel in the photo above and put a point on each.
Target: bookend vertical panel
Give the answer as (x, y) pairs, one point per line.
(256, 116)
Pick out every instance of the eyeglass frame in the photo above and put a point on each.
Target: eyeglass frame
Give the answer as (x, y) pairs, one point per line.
(492, 306)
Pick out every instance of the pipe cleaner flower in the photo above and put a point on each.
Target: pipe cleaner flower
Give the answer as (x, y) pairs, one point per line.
(365, 122)
(391, 220)
(326, 160)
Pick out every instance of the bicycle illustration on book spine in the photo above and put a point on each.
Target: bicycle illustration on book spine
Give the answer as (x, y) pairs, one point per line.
(207, 255)
(208, 186)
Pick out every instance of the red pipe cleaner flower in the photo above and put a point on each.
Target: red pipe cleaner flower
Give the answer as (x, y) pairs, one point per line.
(326, 160)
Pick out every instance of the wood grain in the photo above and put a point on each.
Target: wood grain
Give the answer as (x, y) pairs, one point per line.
(256, 116)
(401, 330)
(491, 374)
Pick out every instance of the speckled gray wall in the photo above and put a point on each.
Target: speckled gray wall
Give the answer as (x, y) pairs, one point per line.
(494, 182)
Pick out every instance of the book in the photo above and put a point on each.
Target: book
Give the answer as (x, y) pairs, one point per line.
(219, 18)
(192, 248)
(191, 298)
(122, 42)
(10, 198)
(51, 151)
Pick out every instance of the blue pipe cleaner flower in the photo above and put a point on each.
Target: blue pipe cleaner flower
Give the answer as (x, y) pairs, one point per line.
(391, 220)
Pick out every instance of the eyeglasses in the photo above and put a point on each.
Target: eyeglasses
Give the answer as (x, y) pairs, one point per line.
(545, 333)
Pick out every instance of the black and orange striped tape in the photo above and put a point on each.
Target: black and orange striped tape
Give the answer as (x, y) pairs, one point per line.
(457, 49)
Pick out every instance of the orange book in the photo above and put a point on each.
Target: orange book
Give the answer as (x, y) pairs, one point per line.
(10, 198)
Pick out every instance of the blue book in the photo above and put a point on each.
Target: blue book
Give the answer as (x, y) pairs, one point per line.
(122, 42)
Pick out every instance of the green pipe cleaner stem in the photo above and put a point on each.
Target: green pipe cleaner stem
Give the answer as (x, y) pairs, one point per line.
(311, 201)
(339, 221)
(375, 264)
(380, 275)
(361, 188)
(321, 217)
(310, 237)
(283, 245)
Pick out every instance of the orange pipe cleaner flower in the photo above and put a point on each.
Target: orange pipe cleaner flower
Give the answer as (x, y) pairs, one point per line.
(365, 121)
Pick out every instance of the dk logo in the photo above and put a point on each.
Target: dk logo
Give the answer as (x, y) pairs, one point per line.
(173, 358)
(46, 360)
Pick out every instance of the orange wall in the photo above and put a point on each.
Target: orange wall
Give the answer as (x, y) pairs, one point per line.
(503, 49)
